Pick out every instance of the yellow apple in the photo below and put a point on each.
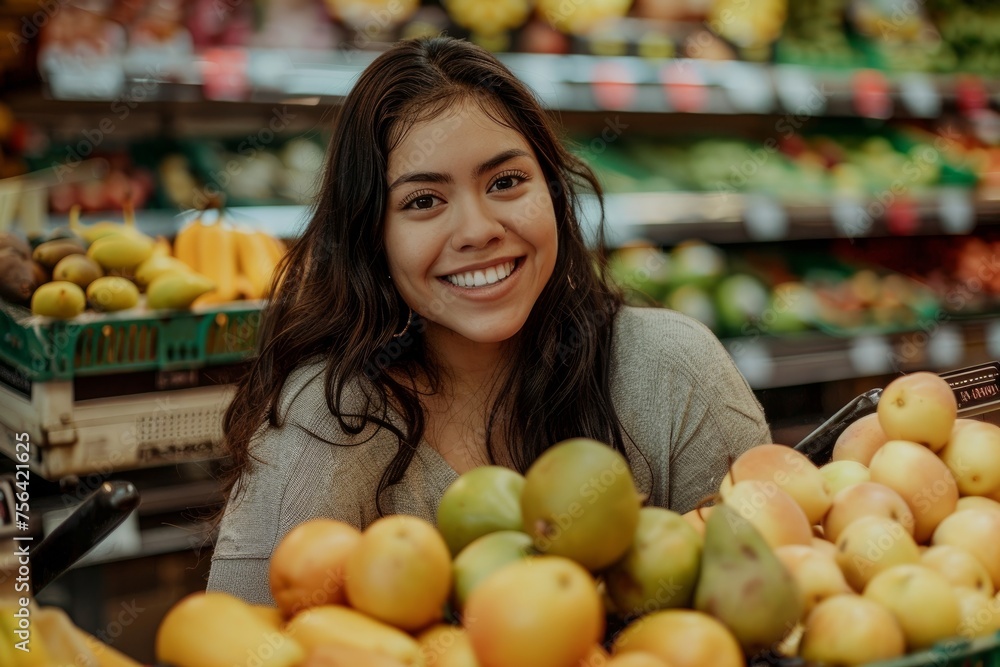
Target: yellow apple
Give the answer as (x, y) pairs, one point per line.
(859, 441)
(816, 574)
(871, 545)
(850, 630)
(973, 456)
(921, 478)
(922, 601)
(787, 469)
(866, 499)
(959, 567)
(980, 613)
(977, 502)
(919, 407)
(841, 474)
(773, 512)
(978, 532)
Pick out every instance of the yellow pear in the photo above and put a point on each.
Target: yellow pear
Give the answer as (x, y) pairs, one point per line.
(816, 574)
(865, 499)
(787, 468)
(978, 532)
(859, 441)
(841, 474)
(973, 457)
(215, 629)
(959, 567)
(921, 478)
(919, 407)
(979, 611)
(773, 512)
(851, 630)
(871, 545)
(922, 601)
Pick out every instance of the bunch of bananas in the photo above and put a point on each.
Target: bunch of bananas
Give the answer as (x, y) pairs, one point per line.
(240, 262)
(108, 265)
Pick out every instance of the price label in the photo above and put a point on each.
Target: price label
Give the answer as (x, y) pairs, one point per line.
(765, 219)
(946, 346)
(850, 217)
(956, 210)
(871, 94)
(798, 91)
(684, 86)
(870, 355)
(920, 95)
(224, 74)
(613, 85)
(753, 360)
(748, 87)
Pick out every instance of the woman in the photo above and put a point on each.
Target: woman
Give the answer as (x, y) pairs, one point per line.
(442, 311)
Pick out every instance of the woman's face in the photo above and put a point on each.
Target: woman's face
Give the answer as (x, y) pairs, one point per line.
(470, 232)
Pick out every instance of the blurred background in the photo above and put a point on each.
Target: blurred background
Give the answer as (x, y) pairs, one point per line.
(818, 181)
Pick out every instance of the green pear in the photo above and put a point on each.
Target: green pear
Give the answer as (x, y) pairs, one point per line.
(744, 584)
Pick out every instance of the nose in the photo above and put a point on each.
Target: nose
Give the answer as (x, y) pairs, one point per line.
(476, 227)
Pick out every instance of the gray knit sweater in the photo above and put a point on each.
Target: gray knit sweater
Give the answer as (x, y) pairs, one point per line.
(676, 391)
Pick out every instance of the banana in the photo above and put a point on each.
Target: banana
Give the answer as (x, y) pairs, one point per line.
(177, 289)
(121, 251)
(256, 261)
(156, 265)
(217, 258)
(112, 293)
(186, 243)
(61, 299)
(37, 655)
(50, 253)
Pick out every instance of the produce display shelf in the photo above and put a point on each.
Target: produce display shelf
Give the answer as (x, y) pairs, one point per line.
(671, 217)
(576, 82)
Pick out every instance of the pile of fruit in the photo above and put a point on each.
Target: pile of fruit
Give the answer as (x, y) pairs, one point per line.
(109, 266)
(890, 548)
(53, 640)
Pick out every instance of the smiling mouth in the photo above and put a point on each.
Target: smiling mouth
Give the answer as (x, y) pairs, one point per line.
(484, 277)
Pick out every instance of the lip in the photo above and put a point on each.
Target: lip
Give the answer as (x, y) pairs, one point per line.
(489, 292)
(482, 265)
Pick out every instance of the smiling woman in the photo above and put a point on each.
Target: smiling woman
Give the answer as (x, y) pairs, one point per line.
(442, 311)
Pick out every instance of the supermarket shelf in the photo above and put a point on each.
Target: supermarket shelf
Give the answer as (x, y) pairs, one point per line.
(670, 217)
(570, 83)
(937, 345)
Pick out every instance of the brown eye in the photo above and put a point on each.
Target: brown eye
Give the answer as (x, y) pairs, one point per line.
(423, 202)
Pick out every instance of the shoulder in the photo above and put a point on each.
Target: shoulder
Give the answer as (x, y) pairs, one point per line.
(660, 334)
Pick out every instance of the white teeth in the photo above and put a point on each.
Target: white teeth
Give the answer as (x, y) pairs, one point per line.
(489, 276)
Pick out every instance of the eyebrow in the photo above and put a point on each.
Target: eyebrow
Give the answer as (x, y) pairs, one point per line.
(438, 177)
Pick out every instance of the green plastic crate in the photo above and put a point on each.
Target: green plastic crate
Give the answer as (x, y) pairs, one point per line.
(981, 652)
(94, 344)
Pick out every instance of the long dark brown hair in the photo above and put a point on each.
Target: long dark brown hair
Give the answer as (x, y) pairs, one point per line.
(335, 302)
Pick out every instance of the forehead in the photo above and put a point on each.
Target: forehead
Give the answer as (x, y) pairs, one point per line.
(457, 136)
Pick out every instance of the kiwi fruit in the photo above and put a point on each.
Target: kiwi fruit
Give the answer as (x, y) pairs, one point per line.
(17, 278)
